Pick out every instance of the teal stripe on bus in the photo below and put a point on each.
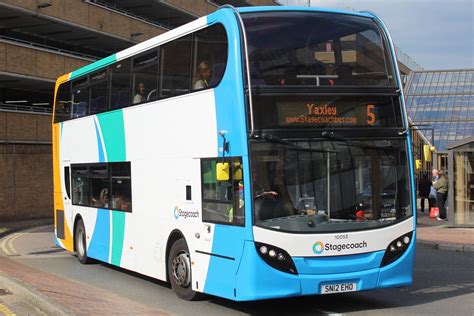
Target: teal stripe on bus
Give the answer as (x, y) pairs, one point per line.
(118, 235)
(113, 133)
(94, 66)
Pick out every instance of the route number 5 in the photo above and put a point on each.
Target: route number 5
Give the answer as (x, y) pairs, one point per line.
(370, 114)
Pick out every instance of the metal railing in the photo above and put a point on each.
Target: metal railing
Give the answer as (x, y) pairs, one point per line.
(12, 40)
(25, 108)
(131, 15)
(405, 59)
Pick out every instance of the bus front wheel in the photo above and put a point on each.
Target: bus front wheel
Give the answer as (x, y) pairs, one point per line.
(179, 269)
(80, 243)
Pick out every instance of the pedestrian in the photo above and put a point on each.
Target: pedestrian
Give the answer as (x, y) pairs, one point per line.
(440, 184)
(424, 191)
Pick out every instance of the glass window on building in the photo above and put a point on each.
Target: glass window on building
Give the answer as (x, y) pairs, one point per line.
(470, 111)
(415, 83)
(448, 82)
(455, 82)
(462, 172)
(444, 100)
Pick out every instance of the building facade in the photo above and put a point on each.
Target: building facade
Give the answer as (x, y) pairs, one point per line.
(41, 40)
(441, 104)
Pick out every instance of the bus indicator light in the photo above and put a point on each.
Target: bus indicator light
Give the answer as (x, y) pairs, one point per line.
(406, 240)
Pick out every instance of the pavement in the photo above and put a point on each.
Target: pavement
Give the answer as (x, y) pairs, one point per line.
(28, 291)
(50, 294)
(439, 235)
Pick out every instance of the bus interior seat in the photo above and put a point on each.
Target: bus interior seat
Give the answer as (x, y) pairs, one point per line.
(80, 110)
(344, 75)
(123, 98)
(217, 73)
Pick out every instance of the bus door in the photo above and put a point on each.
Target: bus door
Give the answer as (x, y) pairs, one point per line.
(223, 221)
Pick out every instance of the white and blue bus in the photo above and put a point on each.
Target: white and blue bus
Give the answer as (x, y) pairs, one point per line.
(250, 154)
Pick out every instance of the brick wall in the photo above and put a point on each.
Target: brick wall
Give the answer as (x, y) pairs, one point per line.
(34, 62)
(26, 177)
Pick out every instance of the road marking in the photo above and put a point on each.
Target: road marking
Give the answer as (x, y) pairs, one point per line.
(6, 311)
(7, 243)
(52, 256)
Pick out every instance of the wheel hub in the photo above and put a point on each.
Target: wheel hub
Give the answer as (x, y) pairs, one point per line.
(182, 269)
(80, 242)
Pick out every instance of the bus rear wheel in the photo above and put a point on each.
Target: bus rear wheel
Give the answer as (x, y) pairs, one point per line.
(80, 242)
(179, 269)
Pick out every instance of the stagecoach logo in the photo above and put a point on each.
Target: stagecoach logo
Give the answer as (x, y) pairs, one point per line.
(184, 214)
(319, 247)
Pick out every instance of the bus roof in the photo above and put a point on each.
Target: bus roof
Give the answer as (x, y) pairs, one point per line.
(304, 9)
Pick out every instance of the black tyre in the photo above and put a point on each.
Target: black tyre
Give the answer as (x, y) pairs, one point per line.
(179, 270)
(80, 243)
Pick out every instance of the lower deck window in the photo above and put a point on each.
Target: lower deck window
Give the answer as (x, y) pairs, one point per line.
(102, 185)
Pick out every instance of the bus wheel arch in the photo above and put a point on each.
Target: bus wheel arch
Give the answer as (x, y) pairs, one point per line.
(178, 267)
(79, 234)
(74, 227)
(173, 237)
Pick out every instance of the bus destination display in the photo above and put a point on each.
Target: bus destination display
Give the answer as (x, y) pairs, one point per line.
(312, 113)
(327, 111)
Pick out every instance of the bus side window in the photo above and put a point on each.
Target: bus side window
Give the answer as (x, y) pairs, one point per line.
(175, 67)
(99, 185)
(222, 201)
(120, 84)
(99, 92)
(121, 196)
(80, 185)
(144, 74)
(210, 45)
(63, 108)
(80, 98)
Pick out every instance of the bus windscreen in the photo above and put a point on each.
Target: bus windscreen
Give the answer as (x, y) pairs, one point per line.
(316, 49)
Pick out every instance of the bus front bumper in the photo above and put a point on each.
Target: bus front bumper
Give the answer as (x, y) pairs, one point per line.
(256, 280)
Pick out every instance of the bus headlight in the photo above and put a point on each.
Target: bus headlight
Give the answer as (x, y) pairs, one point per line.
(276, 257)
(396, 248)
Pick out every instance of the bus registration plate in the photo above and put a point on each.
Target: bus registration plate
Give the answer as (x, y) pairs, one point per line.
(338, 288)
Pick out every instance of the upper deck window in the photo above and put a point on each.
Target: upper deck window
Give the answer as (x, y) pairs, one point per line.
(316, 49)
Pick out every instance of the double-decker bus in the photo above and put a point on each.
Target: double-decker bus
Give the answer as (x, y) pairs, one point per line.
(250, 154)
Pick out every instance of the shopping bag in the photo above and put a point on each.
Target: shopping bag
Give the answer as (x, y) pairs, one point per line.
(434, 212)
